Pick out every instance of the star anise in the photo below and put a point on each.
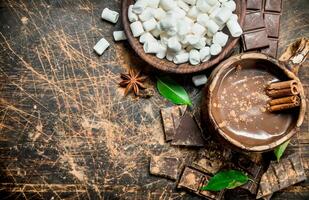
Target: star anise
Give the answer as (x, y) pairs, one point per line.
(132, 80)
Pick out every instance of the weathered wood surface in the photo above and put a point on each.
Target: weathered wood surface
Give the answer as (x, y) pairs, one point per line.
(66, 131)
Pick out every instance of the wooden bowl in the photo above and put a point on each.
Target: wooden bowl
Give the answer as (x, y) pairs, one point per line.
(212, 93)
(186, 68)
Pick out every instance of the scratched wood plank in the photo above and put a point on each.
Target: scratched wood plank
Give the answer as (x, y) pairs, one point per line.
(66, 131)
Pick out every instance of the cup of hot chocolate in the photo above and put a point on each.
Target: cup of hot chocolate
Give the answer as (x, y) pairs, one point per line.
(239, 105)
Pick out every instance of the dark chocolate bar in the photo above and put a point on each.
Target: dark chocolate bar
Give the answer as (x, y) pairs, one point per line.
(272, 50)
(272, 24)
(254, 4)
(163, 166)
(255, 40)
(191, 179)
(188, 133)
(253, 21)
(273, 5)
(280, 175)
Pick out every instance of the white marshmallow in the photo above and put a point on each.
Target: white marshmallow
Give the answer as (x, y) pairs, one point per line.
(151, 46)
(110, 15)
(181, 58)
(222, 1)
(173, 44)
(215, 49)
(183, 5)
(202, 19)
(212, 2)
(230, 5)
(214, 13)
(233, 17)
(192, 39)
(183, 27)
(199, 80)
(162, 50)
(212, 26)
(159, 13)
(168, 4)
(157, 31)
(101, 46)
(193, 12)
(194, 57)
(223, 15)
(139, 6)
(220, 38)
(153, 3)
(214, 7)
(177, 12)
(188, 20)
(170, 55)
(198, 29)
(169, 25)
(191, 2)
(205, 54)
(203, 6)
(201, 43)
(137, 28)
(131, 15)
(146, 37)
(164, 37)
(146, 15)
(119, 35)
(150, 24)
(234, 28)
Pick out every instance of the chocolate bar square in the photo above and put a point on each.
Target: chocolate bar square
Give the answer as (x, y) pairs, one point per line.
(255, 40)
(254, 4)
(253, 21)
(272, 23)
(273, 5)
(191, 179)
(272, 49)
(163, 166)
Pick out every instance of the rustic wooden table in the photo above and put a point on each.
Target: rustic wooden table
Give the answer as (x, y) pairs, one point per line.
(66, 130)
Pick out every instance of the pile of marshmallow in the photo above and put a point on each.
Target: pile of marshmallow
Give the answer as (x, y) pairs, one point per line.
(183, 30)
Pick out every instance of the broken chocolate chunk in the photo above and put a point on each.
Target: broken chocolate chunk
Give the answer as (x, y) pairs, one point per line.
(188, 133)
(287, 172)
(171, 118)
(211, 158)
(273, 5)
(253, 21)
(254, 4)
(191, 179)
(272, 50)
(163, 166)
(272, 23)
(255, 40)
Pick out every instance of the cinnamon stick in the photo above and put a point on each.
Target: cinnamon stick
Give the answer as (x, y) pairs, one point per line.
(283, 92)
(284, 100)
(281, 107)
(281, 85)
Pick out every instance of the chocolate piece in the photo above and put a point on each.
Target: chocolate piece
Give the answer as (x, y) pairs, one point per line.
(253, 21)
(188, 133)
(280, 175)
(272, 49)
(191, 179)
(273, 5)
(167, 167)
(254, 4)
(255, 40)
(171, 118)
(210, 194)
(211, 158)
(272, 23)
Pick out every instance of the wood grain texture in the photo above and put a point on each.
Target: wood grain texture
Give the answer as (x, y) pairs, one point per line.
(67, 131)
(186, 68)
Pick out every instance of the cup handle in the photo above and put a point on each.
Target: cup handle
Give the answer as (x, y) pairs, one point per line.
(296, 53)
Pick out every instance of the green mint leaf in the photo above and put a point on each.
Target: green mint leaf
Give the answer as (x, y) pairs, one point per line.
(229, 179)
(279, 150)
(172, 91)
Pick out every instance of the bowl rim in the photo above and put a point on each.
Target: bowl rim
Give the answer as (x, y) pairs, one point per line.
(169, 66)
(213, 81)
